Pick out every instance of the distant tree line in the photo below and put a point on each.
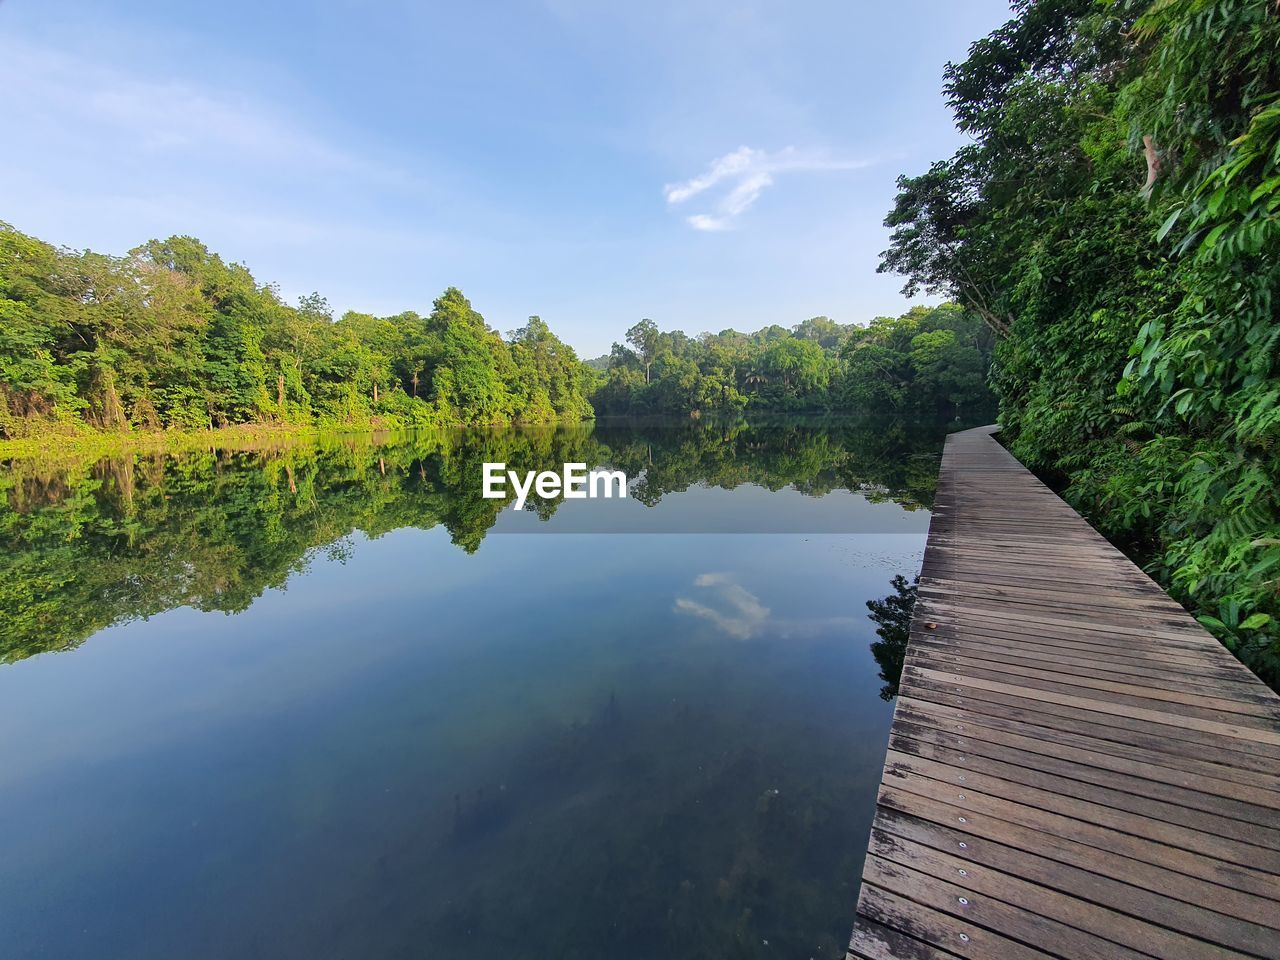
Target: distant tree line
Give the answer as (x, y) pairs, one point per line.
(171, 336)
(1115, 219)
(931, 361)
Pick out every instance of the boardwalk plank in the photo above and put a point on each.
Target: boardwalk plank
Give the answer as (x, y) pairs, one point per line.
(1250, 895)
(1130, 936)
(1169, 927)
(1219, 697)
(1243, 836)
(988, 646)
(967, 904)
(1177, 779)
(1170, 739)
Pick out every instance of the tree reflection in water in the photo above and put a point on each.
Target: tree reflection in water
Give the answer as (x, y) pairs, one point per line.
(892, 616)
(90, 544)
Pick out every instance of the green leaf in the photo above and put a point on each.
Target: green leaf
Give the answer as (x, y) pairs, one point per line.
(1256, 621)
(1212, 239)
(1168, 224)
(1262, 189)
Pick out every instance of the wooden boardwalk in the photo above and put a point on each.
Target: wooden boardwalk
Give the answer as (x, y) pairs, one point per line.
(1076, 768)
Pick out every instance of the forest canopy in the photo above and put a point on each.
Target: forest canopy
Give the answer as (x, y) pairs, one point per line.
(932, 361)
(171, 336)
(1115, 220)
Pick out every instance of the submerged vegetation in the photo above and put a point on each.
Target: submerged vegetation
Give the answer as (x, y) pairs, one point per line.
(1115, 220)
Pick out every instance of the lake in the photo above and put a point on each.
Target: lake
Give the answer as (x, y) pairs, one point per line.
(323, 700)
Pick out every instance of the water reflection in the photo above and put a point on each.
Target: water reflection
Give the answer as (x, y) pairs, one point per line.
(440, 741)
(83, 546)
(892, 616)
(736, 611)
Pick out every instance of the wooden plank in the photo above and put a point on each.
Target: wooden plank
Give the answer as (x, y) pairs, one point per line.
(966, 904)
(1003, 660)
(1146, 772)
(1250, 894)
(878, 942)
(1174, 643)
(1241, 834)
(1128, 936)
(1076, 769)
(1171, 927)
(1173, 739)
(991, 646)
(1177, 638)
(1183, 896)
(921, 922)
(1207, 721)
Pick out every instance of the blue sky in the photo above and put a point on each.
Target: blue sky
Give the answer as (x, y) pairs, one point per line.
(706, 164)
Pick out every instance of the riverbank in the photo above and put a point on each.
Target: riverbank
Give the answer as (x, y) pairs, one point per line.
(96, 444)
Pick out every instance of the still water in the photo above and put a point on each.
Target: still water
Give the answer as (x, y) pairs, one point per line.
(325, 701)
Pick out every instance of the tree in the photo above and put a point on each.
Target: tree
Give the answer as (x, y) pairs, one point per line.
(173, 336)
(643, 337)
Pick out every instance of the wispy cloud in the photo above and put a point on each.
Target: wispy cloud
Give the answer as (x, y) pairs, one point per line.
(748, 172)
(106, 110)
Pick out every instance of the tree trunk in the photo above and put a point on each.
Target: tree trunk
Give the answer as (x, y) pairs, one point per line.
(112, 410)
(1153, 164)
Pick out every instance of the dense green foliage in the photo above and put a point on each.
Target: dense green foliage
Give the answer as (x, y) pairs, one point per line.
(173, 336)
(85, 545)
(928, 361)
(1116, 221)
(931, 361)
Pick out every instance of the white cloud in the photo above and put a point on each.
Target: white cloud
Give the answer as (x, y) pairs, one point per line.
(101, 111)
(749, 171)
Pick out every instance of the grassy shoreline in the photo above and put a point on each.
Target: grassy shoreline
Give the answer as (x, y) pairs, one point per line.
(94, 444)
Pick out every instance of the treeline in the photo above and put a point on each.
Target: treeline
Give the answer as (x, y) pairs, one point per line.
(173, 336)
(1115, 219)
(930, 361)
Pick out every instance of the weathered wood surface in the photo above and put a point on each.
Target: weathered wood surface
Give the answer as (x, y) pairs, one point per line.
(1076, 768)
